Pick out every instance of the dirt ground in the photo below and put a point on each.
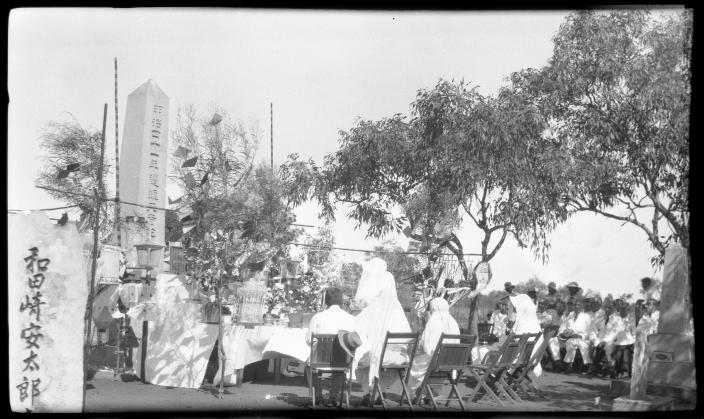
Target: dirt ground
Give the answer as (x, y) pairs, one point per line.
(107, 394)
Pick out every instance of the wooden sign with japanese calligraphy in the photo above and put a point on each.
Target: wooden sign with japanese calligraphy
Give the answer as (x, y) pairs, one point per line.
(47, 294)
(143, 167)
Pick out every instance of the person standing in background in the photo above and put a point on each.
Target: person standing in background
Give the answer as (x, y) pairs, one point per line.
(523, 318)
(499, 320)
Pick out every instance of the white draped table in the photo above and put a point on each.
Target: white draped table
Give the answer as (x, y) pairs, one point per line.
(244, 346)
(179, 345)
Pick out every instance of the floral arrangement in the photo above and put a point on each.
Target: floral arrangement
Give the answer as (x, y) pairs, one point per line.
(305, 294)
(276, 300)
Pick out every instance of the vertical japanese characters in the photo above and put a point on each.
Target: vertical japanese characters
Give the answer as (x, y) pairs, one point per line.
(153, 169)
(35, 268)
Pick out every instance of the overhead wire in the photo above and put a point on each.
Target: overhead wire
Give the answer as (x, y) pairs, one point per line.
(114, 199)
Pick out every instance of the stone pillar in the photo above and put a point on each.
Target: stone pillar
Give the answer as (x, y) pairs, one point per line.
(143, 160)
(671, 349)
(47, 293)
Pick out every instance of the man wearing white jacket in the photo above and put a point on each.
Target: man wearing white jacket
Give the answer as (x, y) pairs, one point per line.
(574, 331)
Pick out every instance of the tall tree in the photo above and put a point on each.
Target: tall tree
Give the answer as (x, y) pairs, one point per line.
(458, 155)
(616, 94)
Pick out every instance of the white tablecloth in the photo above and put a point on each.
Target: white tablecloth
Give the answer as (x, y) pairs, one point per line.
(244, 346)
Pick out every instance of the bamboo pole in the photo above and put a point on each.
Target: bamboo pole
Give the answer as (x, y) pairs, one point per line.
(96, 226)
(221, 349)
(117, 169)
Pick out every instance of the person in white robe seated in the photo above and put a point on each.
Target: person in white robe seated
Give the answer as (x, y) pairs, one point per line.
(330, 321)
(381, 313)
(440, 321)
(574, 331)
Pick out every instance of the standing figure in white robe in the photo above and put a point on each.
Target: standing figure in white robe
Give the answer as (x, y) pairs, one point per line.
(439, 322)
(523, 314)
(381, 313)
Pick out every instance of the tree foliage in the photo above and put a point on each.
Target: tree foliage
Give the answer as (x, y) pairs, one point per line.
(459, 155)
(66, 142)
(225, 152)
(398, 262)
(616, 94)
(240, 213)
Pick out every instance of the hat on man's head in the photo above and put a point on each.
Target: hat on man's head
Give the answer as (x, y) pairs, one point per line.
(552, 285)
(349, 341)
(509, 286)
(573, 285)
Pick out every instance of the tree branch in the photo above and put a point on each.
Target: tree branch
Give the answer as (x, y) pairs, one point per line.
(654, 240)
(497, 247)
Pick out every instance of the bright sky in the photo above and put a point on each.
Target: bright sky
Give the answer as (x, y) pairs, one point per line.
(321, 70)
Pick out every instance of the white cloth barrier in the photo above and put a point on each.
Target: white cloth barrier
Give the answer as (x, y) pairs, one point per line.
(178, 347)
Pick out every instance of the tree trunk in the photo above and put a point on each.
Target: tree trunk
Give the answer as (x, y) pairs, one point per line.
(473, 317)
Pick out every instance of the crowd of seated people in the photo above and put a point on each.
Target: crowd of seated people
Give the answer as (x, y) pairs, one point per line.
(594, 337)
(585, 334)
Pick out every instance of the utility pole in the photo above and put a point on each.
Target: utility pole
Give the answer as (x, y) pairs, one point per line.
(99, 192)
(271, 122)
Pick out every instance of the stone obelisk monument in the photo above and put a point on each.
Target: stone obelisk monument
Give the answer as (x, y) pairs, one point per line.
(143, 170)
(671, 369)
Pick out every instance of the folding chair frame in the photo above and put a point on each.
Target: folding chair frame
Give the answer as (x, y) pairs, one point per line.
(517, 381)
(402, 370)
(519, 363)
(491, 373)
(326, 367)
(435, 370)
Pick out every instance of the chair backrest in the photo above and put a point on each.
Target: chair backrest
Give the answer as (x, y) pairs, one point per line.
(405, 343)
(530, 340)
(326, 352)
(513, 346)
(452, 356)
(538, 354)
(484, 329)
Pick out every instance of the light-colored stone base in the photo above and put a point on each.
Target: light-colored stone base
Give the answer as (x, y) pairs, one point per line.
(624, 404)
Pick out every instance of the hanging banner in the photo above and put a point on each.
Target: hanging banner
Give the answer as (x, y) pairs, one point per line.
(47, 294)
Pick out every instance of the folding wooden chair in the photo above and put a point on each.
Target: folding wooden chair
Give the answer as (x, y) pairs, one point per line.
(518, 364)
(517, 380)
(327, 356)
(447, 360)
(489, 371)
(407, 343)
(484, 331)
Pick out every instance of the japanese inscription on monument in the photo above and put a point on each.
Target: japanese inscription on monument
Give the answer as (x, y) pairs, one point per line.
(47, 289)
